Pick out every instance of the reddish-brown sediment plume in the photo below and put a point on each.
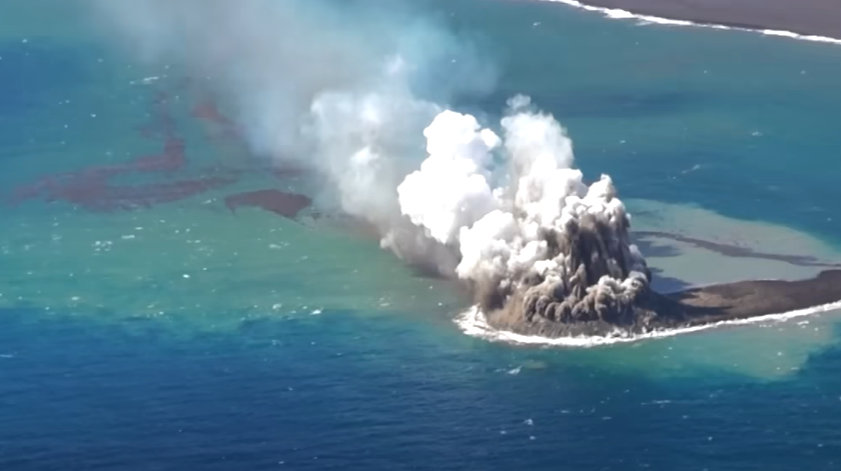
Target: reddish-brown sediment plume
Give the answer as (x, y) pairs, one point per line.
(110, 198)
(206, 110)
(171, 159)
(285, 204)
(287, 172)
(221, 129)
(161, 124)
(92, 188)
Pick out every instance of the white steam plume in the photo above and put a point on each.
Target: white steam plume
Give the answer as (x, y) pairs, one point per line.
(333, 85)
(329, 84)
(544, 243)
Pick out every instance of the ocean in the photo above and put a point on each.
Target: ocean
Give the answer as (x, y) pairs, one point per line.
(180, 335)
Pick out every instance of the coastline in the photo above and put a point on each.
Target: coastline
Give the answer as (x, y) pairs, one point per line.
(814, 20)
(653, 313)
(472, 322)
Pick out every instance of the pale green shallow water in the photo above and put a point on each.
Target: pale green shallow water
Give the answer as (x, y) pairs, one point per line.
(196, 264)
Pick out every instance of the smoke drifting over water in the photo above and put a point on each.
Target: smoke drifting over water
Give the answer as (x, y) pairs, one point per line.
(345, 89)
(330, 85)
(334, 86)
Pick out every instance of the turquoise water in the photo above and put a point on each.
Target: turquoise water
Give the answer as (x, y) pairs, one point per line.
(182, 336)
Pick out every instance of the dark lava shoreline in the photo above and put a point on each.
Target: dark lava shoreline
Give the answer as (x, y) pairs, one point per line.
(805, 17)
(692, 307)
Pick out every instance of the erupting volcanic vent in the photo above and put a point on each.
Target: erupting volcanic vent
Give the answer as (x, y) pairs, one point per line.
(540, 244)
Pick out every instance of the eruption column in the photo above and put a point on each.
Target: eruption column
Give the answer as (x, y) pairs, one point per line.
(541, 244)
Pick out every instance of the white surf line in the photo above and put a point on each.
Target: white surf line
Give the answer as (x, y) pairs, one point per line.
(617, 14)
(473, 323)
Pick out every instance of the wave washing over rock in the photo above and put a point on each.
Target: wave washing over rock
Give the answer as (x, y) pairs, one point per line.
(548, 255)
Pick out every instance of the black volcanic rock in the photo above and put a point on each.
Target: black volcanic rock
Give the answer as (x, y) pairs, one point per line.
(693, 307)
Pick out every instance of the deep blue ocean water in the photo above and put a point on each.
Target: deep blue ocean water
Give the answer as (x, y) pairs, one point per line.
(98, 388)
(385, 394)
